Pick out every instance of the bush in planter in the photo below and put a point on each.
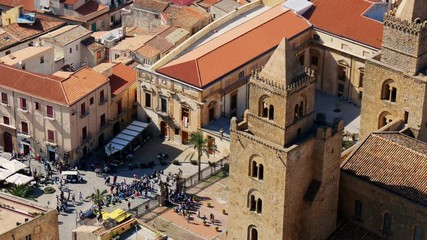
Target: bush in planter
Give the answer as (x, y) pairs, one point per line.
(194, 162)
(224, 212)
(209, 204)
(49, 190)
(217, 228)
(176, 162)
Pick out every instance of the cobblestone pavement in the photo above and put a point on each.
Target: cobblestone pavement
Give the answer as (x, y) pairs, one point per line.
(148, 152)
(213, 191)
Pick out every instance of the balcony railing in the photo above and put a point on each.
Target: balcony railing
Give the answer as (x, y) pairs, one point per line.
(103, 101)
(84, 114)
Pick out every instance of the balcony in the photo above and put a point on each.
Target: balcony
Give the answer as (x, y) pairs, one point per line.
(162, 113)
(103, 101)
(84, 114)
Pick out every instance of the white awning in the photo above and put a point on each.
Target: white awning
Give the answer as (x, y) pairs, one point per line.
(14, 165)
(19, 179)
(4, 173)
(125, 137)
(3, 161)
(299, 6)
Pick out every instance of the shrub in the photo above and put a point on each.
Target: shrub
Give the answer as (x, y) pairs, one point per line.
(217, 228)
(194, 162)
(209, 204)
(49, 190)
(176, 162)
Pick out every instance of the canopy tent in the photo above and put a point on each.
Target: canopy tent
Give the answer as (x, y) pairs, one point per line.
(14, 165)
(125, 137)
(19, 179)
(4, 173)
(299, 6)
(3, 161)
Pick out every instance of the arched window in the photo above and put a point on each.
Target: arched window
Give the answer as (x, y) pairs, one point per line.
(264, 110)
(358, 207)
(385, 92)
(252, 203)
(387, 223)
(393, 94)
(260, 172)
(296, 112)
(271, 112)
(259, 206)
(384, 119)
(301, 109)
(254, 169)
(252, 233)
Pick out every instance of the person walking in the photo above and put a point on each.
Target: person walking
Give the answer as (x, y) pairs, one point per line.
(128, 205)
(80, 197)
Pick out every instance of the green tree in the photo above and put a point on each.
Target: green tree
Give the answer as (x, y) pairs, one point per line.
(20, 190)
(98, 197)
(201, 147)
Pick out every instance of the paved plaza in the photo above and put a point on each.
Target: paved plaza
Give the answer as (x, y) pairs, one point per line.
(146, 153)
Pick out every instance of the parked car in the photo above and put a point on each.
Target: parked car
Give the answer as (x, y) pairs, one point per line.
(72, 177)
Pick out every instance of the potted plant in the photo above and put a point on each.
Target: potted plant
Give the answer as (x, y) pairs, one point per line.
(224, 212)
(217, 228)
(209, 205)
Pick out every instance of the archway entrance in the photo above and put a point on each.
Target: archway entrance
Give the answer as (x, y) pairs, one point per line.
(163, 129)
(116, 128)
(8, 144)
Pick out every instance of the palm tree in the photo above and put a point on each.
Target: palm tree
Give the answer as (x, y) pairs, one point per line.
(98, 197)
(20, 190)
(201, 146)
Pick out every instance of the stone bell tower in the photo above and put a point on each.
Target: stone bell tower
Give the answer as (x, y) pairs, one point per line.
(395, 80)
(284, 169)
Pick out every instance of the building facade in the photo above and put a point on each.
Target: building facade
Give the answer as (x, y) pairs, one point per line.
(282, 158)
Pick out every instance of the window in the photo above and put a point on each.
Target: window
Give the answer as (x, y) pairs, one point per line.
(6, 120)
(30, 44)
(387, 223)
(358, 207)
(147, 100)
(119, 107)
(361, 78)
(360, 95)
(23, 66)
(98, 54)
(418, 233)
(50, 136)
(302, 59)
(24, 128)
(252, 233)
(91, 100)
(7, 52)
(28, 237)
(259, 205)
(261, 172)
(342, 73)
(163, 104)
(23, 103)
(185, 117)
(393, 94)
(49, 111)
(233, 104)
(254, 172)
(37, 105)
(84, 133)
(71, 50)
(156, 16)
(406, 117)
(116, 56)
(271, 112)
(101, 97)
(4, 99)
(41, 60)
(102, 120)
(241, 74)
(316, 37)
(211, 114)
(314, 60)
(83, 109)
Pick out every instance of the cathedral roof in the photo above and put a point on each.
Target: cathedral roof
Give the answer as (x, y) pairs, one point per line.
(409, 10)
(283, 66)
(393, 161)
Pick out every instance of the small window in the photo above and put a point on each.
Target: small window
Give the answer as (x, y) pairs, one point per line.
(163, 104)
(342, 73)
(259, 206)
(360, 95)
(28, 237)
(156, 16)
(24, 128)
(101, 96)
(71, 50)
(50, 136)
(102, 120)
(314, 60)
(361, 78)
(41, 60)
(23, 66)
(119, 107)
(37, 105)
(84, 132)
(4, 99)
(7, 52)
(98, 55)
(23, 103)
(6, 120)
(241, 74)
(148, 100)
(91, 100)
(83, 109)
(49, 111)
(116, 56)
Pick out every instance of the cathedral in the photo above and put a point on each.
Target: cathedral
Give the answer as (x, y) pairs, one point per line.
(286, 181)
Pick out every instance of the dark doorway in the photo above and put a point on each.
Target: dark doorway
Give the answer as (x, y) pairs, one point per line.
(184, 137)
(8, 144)
(26, 148)
(84, 151)
(163, 129)
(211, 114)
(51, 156)
(116, 128)
(101, 140)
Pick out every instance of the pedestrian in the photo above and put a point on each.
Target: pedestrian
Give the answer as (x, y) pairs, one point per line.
(80, 197)
(198, 213)
(73, 197)
(128, 205)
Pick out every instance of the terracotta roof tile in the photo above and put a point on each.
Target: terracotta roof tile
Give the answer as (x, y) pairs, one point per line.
(158, 5)
(122, 77)
(236, 47)
(70, 2)
(339, 17)
(82, 83)
(68, 34)
(352, 231)
(27, 4)
(393, 161)
(186, 16)
(22, 32)
(43, 86)
(148, 51)
(90, 7)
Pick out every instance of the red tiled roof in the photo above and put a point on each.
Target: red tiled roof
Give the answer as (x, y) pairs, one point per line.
(182, 2)
(159, 5)
(352, 231)
(22, 32)
(70, 2)
(43, 86)
(186, 15)
(345, 18)
(393, 161)
(236, 47)
(90, 7)
(122, 77)
(28, 5)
